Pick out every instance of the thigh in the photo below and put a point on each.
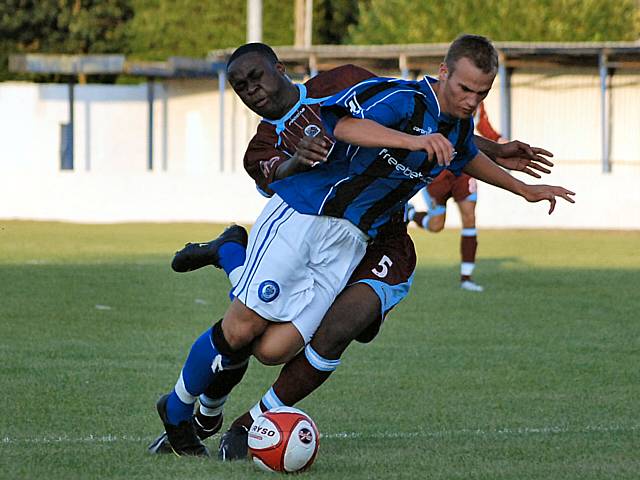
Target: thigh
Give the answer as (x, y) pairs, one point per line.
(354, 311)
(241, 325)
(465, 188)
(440, 189)
(387, 269)
(275, 281)
(332, 267)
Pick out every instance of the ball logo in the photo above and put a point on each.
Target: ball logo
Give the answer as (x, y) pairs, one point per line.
(305, 436)
(311, 130)
(268, 291)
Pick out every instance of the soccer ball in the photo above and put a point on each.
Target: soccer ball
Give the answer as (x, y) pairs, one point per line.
(284, 439)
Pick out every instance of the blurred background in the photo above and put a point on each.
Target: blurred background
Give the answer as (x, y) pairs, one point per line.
(119, 110)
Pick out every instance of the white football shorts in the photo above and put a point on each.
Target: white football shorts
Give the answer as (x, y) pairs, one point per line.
(297, 264)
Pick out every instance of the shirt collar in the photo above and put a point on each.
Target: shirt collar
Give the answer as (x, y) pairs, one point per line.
(302, 92)
(428, 81)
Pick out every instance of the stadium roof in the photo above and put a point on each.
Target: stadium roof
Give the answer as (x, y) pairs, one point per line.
(423, 56)
(174, 67)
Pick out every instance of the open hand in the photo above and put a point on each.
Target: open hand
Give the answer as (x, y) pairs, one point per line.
(517, 155)
(537, 193)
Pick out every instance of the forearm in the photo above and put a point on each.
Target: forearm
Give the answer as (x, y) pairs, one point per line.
(286, 169)
(482, 168)
(488, 147)
(367, 133)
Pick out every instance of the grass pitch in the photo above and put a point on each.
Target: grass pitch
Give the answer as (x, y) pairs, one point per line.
(536, 378)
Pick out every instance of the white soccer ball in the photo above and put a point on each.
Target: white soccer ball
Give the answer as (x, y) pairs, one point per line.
(284, 439)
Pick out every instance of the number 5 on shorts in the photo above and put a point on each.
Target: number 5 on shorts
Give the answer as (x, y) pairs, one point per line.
(382, 269)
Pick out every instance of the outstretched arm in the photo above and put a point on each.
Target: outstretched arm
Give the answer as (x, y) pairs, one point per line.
(368, 133)
(482, 168)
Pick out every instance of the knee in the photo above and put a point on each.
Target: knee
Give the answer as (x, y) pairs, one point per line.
(468, 220)
(238, 338)
(269, 353)
(241, 326)
(436, 224)
(278, 344)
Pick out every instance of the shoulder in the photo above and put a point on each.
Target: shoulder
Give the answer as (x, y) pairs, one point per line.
(266, 131)
(335, 80)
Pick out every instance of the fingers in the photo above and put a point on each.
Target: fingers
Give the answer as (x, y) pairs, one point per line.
(539, 167)
(565, 194)
(528, 151)
(311, 151)
(543, 160)
(562, 193)
(528, 171)
(440, 147)
(541, 151)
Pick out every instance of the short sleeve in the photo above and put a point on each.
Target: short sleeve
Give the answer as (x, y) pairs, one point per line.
(381, 100)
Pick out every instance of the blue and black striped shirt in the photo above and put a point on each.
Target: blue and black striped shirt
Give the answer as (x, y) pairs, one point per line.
(368, 185)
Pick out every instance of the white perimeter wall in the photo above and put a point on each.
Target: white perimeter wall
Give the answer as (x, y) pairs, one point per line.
(198, 176)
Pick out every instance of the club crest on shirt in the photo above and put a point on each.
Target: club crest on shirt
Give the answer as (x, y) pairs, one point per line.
(312, 130)
(268, 291)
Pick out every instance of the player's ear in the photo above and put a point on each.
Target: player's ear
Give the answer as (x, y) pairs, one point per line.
(281, 68)
(443, 72)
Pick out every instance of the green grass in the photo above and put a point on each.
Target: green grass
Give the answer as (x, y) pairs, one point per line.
(536, 378)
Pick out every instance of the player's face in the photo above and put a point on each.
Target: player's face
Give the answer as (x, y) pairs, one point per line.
(262, 86)
(462, 90)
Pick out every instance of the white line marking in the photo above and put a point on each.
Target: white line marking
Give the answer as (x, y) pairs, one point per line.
(110, 438)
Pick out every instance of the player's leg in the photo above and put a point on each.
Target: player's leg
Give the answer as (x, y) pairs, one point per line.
(466, 195)
(381, 281)
(227, 251)
(310, 368)
(284, 249)
(214, 350)
(277, 345)
(227, 344)
(435, 197)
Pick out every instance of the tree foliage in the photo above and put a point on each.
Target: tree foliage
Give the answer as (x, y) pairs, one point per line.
(164, 28)
(427, 21)
(158, 29)
(62, 26)
(332, 19)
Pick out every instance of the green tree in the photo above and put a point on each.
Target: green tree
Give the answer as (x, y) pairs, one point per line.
(332, 19)
(62, 26)
(164, 28)
(427, 21)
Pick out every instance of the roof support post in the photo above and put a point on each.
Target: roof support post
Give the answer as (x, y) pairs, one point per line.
(150, 100)
(505, 96)
(66, 138)
(605, 111)
(254, 21)
(403, 65)
(222, 79)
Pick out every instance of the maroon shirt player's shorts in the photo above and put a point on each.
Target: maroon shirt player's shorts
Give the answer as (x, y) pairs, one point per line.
(447, 185)
(387, 267)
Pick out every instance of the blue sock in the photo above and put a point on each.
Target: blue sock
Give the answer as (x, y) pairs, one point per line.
(197, 374)
(231, 256)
